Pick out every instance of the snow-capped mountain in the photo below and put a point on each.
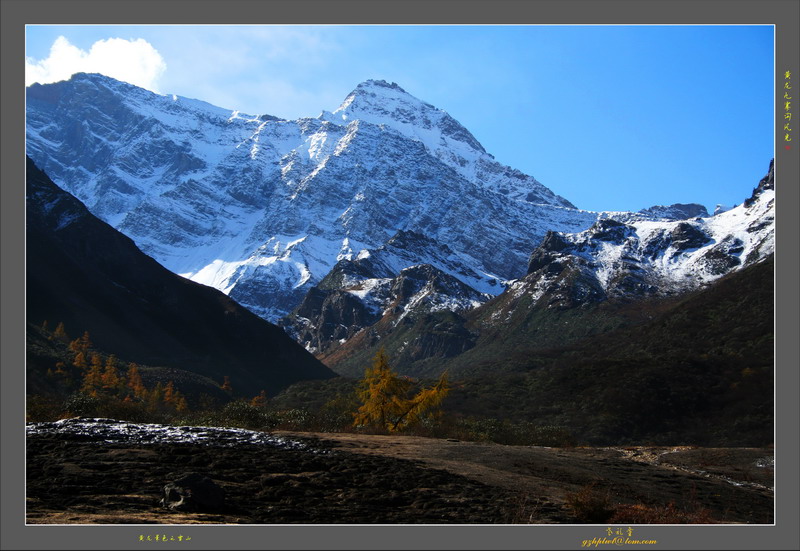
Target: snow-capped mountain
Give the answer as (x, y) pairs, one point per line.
(641, 257)
(577, 285)
(404, 249)
(384, 104)
(263, 208)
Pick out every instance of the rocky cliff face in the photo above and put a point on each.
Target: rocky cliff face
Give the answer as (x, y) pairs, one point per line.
(263, 208)
(678, 211)
(329, 317)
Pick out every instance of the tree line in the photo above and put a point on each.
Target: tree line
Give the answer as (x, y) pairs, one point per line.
(383, 402)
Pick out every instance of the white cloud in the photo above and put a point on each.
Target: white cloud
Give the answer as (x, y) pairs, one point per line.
(134, 61)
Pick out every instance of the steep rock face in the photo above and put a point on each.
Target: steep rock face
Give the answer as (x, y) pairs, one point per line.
(263, 208)
(84, 273)
(766, 183)
(621, 272)
(385, 285)
(404, 249)
(326, 318)
(331, 315)
(678, 211)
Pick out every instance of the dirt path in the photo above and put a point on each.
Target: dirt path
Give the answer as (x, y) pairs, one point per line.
(735, 484)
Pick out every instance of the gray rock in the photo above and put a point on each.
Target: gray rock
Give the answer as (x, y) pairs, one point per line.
(193, 492)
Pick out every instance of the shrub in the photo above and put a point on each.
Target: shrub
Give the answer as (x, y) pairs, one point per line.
(242, 414)
(82, 405)
(556, 436)
(640, 513)
(590, 505)
(295, 419)
(337, 415)
(513, 434)
(42, 409)
(132, 411)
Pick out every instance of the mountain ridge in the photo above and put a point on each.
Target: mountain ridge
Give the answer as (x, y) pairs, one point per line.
(332, 212)
(619, 260)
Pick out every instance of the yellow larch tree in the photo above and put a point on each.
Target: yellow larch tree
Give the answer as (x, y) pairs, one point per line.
(385, 401)
(93, 379)
(260, 400)
(135, 383)
(110, 378)
(169, 393)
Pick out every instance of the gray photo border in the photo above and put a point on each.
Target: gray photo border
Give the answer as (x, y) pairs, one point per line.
(784, 14)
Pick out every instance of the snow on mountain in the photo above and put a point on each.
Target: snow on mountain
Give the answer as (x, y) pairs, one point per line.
(408, 276)
(330, 316)
(645, 257)
(404, 249)
(385, 104)
(263, 208)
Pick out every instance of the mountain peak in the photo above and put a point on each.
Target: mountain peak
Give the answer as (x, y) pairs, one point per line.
(381, 96)
(383, 103)
(303, 194)
(766, 183)
(371, 84)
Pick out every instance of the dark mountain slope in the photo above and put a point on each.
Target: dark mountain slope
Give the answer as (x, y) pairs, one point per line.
(82, 272)
(700, 373)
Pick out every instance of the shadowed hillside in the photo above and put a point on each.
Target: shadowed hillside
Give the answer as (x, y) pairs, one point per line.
(82, 272)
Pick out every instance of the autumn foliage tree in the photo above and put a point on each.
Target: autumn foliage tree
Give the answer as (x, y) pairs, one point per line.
(134, 382)
(387, 403)
(99, 385)
(110, 378)
(93, 379)
(260, 400)
(82, 344)
(174, 398)
(60, 333)
(80, 347)
(80, 361)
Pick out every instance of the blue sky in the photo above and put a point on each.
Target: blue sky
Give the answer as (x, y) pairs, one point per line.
(610, 117)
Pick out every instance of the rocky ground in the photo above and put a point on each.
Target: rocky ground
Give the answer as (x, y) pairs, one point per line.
(110, 472)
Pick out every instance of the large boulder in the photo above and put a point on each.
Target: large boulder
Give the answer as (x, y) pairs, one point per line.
(193, 492)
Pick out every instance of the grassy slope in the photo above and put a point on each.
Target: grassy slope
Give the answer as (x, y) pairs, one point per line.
(701, 373)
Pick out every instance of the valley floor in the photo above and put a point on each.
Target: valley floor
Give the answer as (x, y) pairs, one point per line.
(736, 485)
(372, 479)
